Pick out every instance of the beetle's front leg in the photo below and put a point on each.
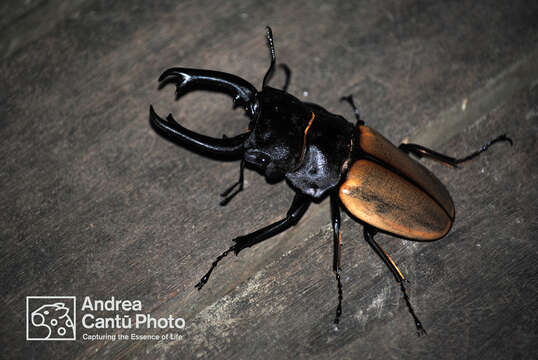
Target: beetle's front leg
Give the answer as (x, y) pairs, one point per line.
(298, 208)
(228, 194)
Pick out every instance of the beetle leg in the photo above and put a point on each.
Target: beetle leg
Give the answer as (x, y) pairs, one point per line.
(337, 239)
(349, 99)
(421, 151)
(298, 208)
(239, 183)
(204, 279)
(225, 147)
(400, 278)
(337, 254)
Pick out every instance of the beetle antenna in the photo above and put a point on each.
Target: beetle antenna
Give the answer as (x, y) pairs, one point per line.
(287, 73)
(204, 279)
(273, 56)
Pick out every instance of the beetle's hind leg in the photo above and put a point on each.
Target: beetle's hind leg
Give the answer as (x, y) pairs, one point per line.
(400, 278)
(421, 151)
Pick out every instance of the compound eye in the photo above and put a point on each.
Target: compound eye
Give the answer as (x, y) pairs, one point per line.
(257, 158)
(262, 159)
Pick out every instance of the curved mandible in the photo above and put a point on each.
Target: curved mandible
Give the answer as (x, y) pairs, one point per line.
(169, 127)
(244, 93)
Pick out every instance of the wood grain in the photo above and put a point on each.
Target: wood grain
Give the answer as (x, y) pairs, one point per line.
(94, 203)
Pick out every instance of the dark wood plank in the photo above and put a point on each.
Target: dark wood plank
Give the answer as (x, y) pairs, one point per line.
(95, 203)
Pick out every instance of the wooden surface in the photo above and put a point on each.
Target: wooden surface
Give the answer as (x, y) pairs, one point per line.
(95, 203)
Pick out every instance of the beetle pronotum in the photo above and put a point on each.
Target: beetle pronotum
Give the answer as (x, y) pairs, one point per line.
(320, 155)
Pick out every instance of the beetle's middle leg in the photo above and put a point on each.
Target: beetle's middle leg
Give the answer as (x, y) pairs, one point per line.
(369, 233)
(337, 254)
(349, 99)
(298, 208)
(422, 151)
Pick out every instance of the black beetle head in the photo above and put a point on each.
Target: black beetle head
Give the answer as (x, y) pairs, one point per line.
(276, 141)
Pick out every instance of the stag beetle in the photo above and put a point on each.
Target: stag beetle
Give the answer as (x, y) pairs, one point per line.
(321, 154)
